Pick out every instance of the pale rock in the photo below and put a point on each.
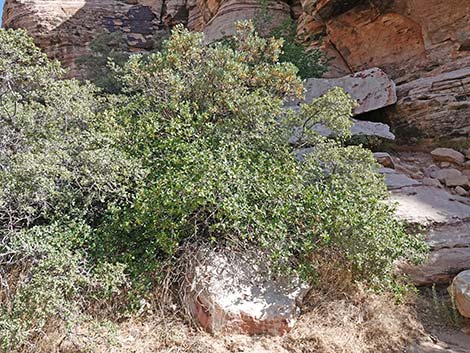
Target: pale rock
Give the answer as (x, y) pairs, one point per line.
(359, 128)
(431, 170)
(384, 159)
(449, 254)
(426, 205)
(396, 180)
(460, 181)
(445, 165)
(461, 191)
(230, 292)
(448, 155)
(432, 182)
(373, 129)
(460, 289)
(444, 174)
(449, 236)
(466, 172)
(372, 89)
(440, 266)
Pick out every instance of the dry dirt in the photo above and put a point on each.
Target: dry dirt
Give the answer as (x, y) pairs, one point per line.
(330, 323)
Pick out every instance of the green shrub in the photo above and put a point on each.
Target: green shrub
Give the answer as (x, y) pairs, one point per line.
(208, 122)
(52, 282)
(58, 148)
(106, 47)
(311, 62)
(59, 168)
(98, 193)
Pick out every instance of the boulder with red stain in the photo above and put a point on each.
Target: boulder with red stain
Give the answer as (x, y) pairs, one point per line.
(231, 292)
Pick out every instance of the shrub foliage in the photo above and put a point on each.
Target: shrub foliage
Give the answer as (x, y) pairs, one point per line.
(96, 193)
(208, 123)
(59, 171)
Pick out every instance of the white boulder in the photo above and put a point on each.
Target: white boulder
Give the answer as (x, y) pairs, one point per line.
(372, 89)
(234, 292)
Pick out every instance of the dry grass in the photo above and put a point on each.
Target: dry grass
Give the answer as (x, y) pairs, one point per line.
(354, 323)
(337, 317)
(332, 322)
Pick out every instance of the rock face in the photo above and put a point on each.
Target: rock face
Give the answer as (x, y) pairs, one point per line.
(399, 36)
(221, 16)
(371, 89)
(434, 106)
(421, 44)
(461, 290)
(64, 28)
(442, 214)
(230, 293)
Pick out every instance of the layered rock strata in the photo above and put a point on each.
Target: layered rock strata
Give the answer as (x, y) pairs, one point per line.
(422, 44)
(64, 29)
(423, 188)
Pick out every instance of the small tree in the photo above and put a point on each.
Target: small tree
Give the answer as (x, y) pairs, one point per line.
(59, 170)
(209, 124)
(104, 48)
(311, 62)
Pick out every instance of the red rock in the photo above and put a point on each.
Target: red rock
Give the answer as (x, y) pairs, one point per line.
(64, 28)
(447, 155)
(422, 45)
(460, 289)
(222, 22)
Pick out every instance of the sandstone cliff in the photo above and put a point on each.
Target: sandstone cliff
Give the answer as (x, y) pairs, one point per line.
(424, 45)
(65, 28)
